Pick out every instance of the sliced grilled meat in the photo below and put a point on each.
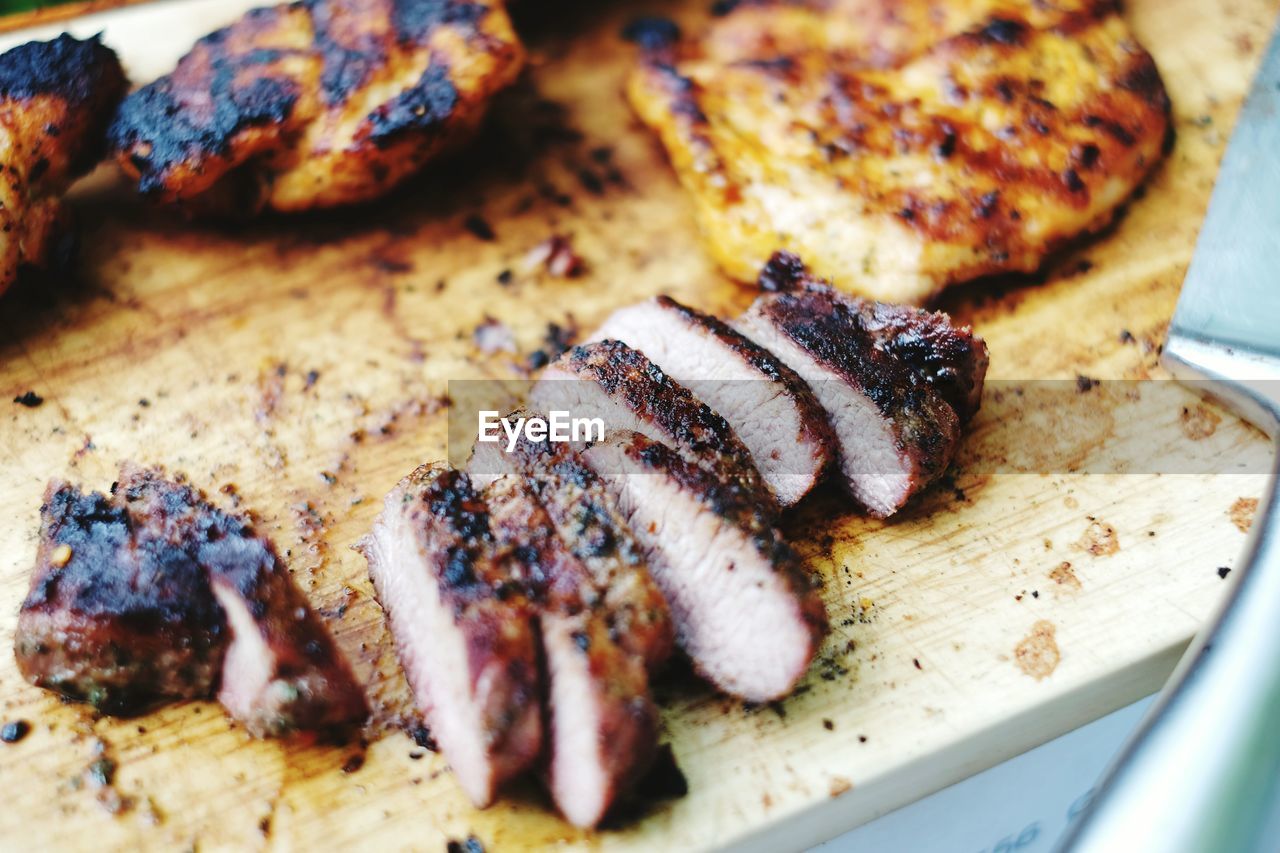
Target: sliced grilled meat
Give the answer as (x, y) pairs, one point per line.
(124, 611)
(744, 611)
(316, 103)
(896, 432)
(591, 527)
(769, 407)
(120, 613)
(462, 626)
(612, 381)
(952, 358)
(282, 672)
(602, 723)
(56, 98)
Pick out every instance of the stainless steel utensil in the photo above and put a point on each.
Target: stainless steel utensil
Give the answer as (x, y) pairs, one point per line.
(1203, 770)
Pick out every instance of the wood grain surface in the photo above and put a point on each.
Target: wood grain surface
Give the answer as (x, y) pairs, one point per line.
(300, 367)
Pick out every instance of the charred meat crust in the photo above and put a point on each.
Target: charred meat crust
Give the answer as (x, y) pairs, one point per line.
(468, 644)
(951, 358)
(316, 102)
(85, 75)
(128, 585)
(594, 681)
(593, 531)
(120, 613)
(696, 431)
(770, 407)
(835, 333)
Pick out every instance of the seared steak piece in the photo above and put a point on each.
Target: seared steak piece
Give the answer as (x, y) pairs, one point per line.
(588, 522)
(952, 358)
(120, 613)
(612, 381)
(602, 723)
(462, 626)
(768, 406)
(124, 611)
(744, 611)
(896, 431)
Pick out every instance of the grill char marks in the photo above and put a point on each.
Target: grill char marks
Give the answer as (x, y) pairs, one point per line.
(896, 431)
(952, 358)
(588, 522)
(56, 98)
(900, 146)
(316, 103)
(132, 617)
(602, 723)
(617, 383)
(766, 403)
(119, 613)
(462, 626)
(744, 611)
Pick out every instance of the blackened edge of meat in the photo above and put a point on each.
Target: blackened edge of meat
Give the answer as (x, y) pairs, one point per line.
(85, 73)
(422, 107)
(121, 636)
(415, 20)
(68, 67)
(783, 271)
(652, 33)
(178, 137)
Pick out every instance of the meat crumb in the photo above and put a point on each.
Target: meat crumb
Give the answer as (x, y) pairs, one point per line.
(1242, 512)
(421, 735)
(556, 255)
(479, 228)
(470, 845)
(14, 731)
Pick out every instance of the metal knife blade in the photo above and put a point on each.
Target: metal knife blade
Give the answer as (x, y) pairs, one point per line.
(1203, 770)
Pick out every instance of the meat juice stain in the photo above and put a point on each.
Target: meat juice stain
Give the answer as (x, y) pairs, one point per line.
(1037, 654)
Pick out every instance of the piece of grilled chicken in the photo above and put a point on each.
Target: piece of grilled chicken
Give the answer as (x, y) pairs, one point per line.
(316, 103)
(56, 98)
(898, 147)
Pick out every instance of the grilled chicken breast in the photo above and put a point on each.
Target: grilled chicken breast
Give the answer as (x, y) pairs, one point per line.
(316, 103)
(898, 147)
(56, 98)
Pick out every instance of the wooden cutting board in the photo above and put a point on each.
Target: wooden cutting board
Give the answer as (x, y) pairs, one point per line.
(301, 367)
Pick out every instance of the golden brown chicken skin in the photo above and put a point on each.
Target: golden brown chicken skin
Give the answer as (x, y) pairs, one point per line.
(56, 98)
(316, 103)
(898, 147)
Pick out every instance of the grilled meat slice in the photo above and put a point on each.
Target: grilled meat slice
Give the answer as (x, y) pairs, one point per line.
(282, 672)
(120, 613)
(316, 103)
(744, 611)
(124, 611)
(56, 98)
(952, 358)
(896, 432)
(767, 405)
(612, 381)
(602, 723)
(901, 146)
(589, 524)
(462, 626)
